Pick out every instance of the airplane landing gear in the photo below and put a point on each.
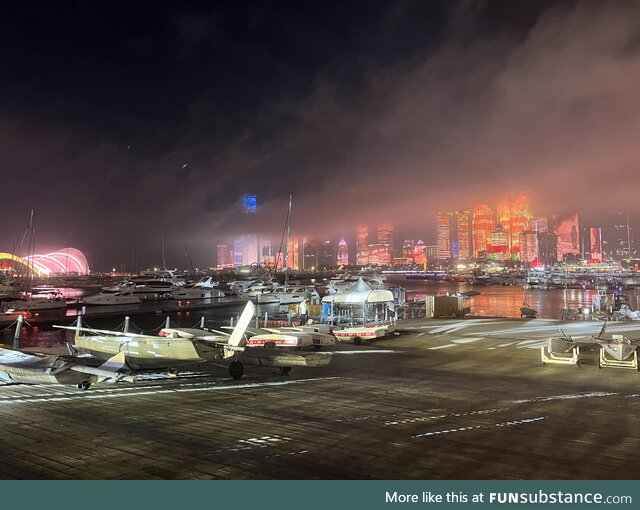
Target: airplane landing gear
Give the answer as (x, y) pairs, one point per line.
(357, 340)
(285, 370)
(84, 385)
(236, 369)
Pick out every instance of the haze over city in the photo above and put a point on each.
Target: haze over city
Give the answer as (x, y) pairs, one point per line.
(119, 125)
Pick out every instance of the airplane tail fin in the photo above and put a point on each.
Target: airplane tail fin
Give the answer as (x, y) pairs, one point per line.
(110, 370)
(237, 336)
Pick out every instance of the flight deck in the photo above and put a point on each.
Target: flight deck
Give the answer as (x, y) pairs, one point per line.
(442, 400)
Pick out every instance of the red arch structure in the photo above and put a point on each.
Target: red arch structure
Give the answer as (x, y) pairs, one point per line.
(65, 260)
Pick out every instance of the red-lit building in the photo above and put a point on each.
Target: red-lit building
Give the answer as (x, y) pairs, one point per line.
(567, 230)
(362, 246)
(343, 253)
(483, 223)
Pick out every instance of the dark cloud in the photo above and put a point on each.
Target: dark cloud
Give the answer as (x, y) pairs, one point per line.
(390, 112)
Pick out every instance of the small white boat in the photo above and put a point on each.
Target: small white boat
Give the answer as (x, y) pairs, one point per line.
(124, 297)
(30, 304)
(193, 293)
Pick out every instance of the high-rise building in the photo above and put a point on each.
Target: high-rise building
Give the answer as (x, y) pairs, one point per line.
(444, 236)
(548, 248)
(520, 222)
(379, 255)
(454, 235)
(431, 254)
(245, 250)
(463, 219)
(408, 249)
(343, 253)
(224, 256)
(623, 243)
(309, 254)
(595, 241)
(326, 255)
(385, 235)
(293, 262)
(528, 243)
(568, 231)
(500, 244)
(483, 223)
(419, 253)
(362, 246)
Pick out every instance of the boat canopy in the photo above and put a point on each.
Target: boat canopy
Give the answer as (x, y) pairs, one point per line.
(362, 295)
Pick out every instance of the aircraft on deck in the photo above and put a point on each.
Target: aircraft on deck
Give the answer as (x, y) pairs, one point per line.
(174, 348)
(32, 368)
(618, 351)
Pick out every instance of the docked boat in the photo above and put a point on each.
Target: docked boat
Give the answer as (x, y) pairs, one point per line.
(289, 295)
(123, 297)
(55, 301)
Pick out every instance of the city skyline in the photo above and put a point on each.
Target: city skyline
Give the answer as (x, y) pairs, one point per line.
(170, 115)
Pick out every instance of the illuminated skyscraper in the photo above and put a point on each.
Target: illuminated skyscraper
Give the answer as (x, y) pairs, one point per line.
(343, 253)
(431, 253)
(484, 222)
(567, 230)
(528, 243)
(294, 262)
(463, 219)
(379, 255)
(385, 235)
(362, 246)
(245, 250)
(520, 221)
(408, 249)
(454, 235)
(499, 244)
(595, 235)
(623, 244)
(222, 256)
(444, 235)
(419, 253)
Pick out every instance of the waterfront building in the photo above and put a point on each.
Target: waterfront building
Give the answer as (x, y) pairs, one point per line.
(567, 229)
(499, 244)
(595, 244)
(62, 261)
(326, 255)
(623, 242)
(343, 253)
(419, 253)
(379, 255)
(385, 235)
(224, 256)
(539, 224)
(408, 249)
(309, 254)
(483, 223)
(548, 248)
(431, 254)
(294, 261)
(528, 243)
(245, 250)
(443, 223)
(520, 222)
(362, 246)
(454, 235)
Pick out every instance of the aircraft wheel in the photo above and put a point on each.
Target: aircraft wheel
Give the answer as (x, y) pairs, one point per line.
(317, 347)
(578, 363)
(236, 369)
(357, 340)
(83, 386)
(285, 370)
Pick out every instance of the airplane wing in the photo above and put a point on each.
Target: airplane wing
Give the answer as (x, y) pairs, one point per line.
(102, 331)
(111, 370)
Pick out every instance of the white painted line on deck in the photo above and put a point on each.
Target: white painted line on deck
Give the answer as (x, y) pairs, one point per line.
(163, 390)
(572, 396)
(524, 421)
(372, 351)
(466, 340)
(446, 346)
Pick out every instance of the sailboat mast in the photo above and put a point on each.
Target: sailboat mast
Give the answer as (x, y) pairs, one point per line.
(164, 263)
(286, 256)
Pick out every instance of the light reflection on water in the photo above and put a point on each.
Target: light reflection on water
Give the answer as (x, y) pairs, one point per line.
(494, 300)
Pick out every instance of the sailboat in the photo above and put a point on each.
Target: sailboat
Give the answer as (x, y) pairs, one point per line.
(288, 295)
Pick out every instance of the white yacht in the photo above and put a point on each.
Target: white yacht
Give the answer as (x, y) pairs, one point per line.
(289, 295)
(54, 301)
(122, 297)
(204, 288)
(348, 283)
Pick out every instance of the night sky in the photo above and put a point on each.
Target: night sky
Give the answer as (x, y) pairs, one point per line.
(120, 123)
